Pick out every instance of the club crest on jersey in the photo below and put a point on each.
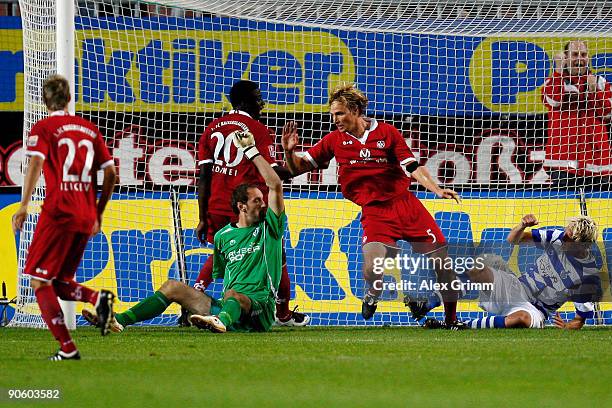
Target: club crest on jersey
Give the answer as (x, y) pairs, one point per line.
(232, 242)
(365, 153)
(256, 231)
(33, 140)
(380, 144)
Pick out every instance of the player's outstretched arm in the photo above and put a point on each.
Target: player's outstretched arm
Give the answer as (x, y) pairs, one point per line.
(575, 324)
(246, 142)
(31, 178)
(108, 184)
(518, 233)
(422, 175)
(289, 140)
(204, 180)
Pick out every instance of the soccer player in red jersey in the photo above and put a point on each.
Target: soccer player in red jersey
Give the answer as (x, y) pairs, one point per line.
(222, 168)
(72, 150)
(371, 156)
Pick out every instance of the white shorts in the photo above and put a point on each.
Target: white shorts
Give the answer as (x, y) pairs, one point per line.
(509, 296)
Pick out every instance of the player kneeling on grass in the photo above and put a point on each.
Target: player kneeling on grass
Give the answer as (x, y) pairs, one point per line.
(566, 271)
(247, 255)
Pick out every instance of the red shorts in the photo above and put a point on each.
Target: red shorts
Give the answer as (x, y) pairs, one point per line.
(54, 252)
(402, 218)
(216, 222)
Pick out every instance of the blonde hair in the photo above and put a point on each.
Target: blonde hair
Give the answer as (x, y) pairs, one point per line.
(350, 97)
(584, 229)
(56, 92)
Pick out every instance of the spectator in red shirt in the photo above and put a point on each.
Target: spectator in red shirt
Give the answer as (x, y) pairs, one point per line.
(579, 108)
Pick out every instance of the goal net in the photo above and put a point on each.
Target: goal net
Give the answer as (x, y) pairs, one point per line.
(464, 81)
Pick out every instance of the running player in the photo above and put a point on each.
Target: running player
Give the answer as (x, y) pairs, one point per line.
(72, 151)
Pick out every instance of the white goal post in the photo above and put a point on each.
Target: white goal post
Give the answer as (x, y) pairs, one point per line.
(462, 81)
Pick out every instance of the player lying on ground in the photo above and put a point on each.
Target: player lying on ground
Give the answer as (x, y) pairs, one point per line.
(72, 150)
(222, 168)
(372, 157)
(566, 271)
(248, 257)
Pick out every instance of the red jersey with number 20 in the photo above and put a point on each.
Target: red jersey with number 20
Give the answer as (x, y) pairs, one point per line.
(370, 167)
(230, 168)
(73, 150)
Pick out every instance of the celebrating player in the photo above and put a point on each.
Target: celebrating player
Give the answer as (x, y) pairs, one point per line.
(248, 256)
(566, 271)
(72, 150)
(372, 156)
(222, 169)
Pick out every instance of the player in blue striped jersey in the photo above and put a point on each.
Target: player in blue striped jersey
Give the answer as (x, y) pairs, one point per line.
(565, 271)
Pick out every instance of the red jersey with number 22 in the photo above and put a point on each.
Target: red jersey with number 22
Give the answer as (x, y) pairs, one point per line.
(73, 150)
(229, 166)
(370, 167)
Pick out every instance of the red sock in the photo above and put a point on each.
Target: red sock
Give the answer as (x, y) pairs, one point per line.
(284, 293)
(205, 277)
(450, 312)
(71, 290)
(53, 316)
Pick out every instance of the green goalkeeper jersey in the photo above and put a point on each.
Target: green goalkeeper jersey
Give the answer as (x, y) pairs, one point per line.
(249, 259)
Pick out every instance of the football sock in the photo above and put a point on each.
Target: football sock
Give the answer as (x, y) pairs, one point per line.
(146, 309)
(450, 312)
(231, 311)
(205, 277)
(490, 322)
(284, 293)
(53, 316)
(71, 290)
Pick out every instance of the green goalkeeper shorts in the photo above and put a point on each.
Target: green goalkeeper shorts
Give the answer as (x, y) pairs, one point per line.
(261, 317)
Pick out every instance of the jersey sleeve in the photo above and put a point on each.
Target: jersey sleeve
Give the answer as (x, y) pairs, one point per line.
(218, 261)
(264, 141)
(400, 148)
(553, 91)
(323, 151)
(585, 310)
(544, 237)
(276, 224)
(37, 144)
(103, 157)
(205, 155)
(601, 99)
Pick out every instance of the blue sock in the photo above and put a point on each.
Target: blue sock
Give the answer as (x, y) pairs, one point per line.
(489, 322)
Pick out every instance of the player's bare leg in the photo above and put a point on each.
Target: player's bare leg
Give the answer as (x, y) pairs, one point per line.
(234, 304)
(446, 275)
(170, 291)
(374, 278)
(284, 316)
(54, 318)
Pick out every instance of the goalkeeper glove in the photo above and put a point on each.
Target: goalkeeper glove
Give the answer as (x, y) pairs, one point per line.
(245, 141)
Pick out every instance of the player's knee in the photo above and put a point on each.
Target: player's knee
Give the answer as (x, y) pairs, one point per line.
(230, 293)
(169, 288)
(35, 283)
(519, 320)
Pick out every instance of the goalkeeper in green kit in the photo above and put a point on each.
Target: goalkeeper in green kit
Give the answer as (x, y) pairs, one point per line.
(247, 255)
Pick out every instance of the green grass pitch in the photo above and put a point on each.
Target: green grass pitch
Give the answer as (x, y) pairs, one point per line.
(316, 367)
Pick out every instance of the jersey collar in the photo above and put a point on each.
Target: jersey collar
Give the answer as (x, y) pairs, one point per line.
(58, 113)
(373, 125)
(240, 112)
